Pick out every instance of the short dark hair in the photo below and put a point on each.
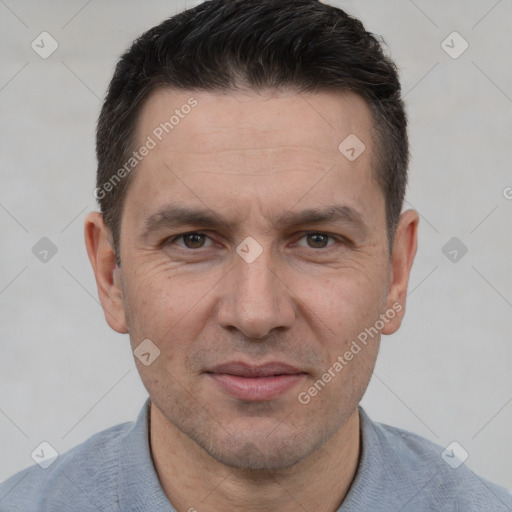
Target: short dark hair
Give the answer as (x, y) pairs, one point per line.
(223, 45)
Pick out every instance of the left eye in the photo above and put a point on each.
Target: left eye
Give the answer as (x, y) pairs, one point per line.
(317, 240)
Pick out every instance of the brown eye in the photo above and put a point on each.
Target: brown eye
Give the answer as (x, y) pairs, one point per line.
(317, 240)
(193, 240)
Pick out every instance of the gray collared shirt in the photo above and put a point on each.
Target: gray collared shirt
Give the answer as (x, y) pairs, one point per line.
(113, 471)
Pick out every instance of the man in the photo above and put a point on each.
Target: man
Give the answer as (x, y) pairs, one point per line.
(252, 165)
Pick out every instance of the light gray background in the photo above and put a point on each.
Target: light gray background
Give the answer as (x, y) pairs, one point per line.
(65, 375)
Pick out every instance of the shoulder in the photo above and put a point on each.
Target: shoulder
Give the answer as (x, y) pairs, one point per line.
(79, 479)
(437, 478)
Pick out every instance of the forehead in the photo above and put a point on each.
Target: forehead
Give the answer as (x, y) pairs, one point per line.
(270, 150)
(237, 120)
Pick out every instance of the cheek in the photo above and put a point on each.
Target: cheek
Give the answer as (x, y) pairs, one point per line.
(170, 311)
(151, 303)
(350, 303)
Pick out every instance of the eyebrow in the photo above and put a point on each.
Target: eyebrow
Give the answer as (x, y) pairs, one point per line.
(176, 216)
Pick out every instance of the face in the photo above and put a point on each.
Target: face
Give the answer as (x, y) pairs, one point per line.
(254, 300)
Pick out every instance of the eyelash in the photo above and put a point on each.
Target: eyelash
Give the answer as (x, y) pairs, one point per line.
(340, 240)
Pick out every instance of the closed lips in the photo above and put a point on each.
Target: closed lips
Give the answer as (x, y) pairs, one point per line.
(241, 369)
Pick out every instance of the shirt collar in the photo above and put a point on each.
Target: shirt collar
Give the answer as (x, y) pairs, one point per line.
(139, 487)
(387, 477)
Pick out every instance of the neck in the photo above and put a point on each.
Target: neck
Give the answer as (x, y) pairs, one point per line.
(193, 480)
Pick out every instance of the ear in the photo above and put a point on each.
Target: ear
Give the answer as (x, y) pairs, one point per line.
(404, 250)
(106, 272)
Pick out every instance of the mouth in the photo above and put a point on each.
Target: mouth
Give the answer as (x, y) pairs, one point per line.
(256, 382)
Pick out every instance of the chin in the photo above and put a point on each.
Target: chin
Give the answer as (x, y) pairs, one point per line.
(251, 458)
(244, 452)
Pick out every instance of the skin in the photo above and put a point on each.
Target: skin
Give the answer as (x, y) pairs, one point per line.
(250, 157)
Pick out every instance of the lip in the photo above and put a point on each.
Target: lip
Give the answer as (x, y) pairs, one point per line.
(255, 382)
(243, 369)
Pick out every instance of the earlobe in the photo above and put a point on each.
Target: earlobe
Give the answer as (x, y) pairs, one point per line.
(404, 251)
(106, 272)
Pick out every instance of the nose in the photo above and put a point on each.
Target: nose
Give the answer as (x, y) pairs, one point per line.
(255, 298)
